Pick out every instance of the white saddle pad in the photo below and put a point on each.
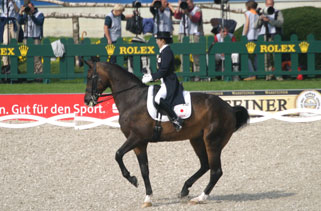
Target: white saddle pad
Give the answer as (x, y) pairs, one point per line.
(183, 111)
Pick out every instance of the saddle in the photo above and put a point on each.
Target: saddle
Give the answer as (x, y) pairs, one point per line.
(183, 111)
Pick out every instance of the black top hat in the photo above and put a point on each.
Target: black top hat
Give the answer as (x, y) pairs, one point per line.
(163, 35)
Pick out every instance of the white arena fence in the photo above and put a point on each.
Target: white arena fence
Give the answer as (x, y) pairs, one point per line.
(81, 123)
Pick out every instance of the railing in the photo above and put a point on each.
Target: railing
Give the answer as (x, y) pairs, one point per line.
(21, 55)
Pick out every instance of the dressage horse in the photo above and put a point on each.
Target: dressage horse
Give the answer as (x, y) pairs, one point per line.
(211, 125)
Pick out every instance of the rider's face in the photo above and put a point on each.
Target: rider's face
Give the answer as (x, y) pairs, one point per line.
(160, 42)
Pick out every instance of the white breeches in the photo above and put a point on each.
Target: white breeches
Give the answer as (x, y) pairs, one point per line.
(162, 93)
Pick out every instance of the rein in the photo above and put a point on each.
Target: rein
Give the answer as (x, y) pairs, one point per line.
(115, 93)
(109, 95)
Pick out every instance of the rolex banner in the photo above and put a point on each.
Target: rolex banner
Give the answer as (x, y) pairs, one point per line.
(276, 48)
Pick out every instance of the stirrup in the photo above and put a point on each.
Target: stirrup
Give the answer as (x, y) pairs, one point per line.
(178, 124)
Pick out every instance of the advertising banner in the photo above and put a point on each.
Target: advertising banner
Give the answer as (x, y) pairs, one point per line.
(49, 105)
(53, 108)
(273, 100)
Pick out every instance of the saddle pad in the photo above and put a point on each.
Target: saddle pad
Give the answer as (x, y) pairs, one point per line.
(183, 111)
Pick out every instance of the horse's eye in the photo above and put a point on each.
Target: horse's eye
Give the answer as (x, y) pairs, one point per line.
(89, 76)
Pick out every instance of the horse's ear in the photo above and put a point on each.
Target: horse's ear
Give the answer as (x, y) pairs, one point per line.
(89, 63)
(95, 59)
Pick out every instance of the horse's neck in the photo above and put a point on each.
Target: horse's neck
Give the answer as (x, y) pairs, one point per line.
(124, 90)
(121, 81)
(131, 98)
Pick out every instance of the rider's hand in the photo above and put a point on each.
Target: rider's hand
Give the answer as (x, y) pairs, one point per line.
(147, 78)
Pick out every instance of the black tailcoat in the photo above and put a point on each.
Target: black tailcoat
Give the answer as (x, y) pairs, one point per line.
(166, 70)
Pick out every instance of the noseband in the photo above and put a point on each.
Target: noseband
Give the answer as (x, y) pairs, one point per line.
(95, 95)
(94, 83)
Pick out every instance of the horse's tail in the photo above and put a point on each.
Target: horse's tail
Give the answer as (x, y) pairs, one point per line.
(242, 116)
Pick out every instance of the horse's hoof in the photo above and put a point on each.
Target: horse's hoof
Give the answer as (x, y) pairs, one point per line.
(133, 180)
(146, 204)
(198, 200)
(184, 193)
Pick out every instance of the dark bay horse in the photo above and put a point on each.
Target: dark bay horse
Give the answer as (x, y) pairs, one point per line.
(211, 125)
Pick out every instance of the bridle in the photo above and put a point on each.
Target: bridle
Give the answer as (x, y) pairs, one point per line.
(95, 95)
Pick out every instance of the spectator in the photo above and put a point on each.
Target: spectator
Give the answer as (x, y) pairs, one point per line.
(270, 23)
(112, 26)
(219, 58)
(171, 91)
(191, 24)
(162, 16)
(33, 21)
(9, 14)
(251, 32)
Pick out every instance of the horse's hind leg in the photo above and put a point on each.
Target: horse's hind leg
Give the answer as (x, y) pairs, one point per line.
(141, 154)
(200, 150)
(214, 144)
(126, 147)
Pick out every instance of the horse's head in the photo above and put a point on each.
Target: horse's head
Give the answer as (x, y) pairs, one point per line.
(97, 82)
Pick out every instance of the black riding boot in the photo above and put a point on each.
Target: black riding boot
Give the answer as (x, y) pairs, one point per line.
(177, 122)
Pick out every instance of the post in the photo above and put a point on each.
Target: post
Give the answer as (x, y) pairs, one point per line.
(75, 35)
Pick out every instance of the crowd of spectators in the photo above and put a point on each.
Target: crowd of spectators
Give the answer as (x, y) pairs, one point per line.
(190, 17)
(27, 21)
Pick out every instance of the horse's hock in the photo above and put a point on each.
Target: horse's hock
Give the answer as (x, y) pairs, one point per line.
(269, 164)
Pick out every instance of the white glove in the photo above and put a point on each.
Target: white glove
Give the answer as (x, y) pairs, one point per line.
(147, 78)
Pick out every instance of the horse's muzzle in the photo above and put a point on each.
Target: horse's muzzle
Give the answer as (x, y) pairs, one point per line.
(91, 104)
(90, 100)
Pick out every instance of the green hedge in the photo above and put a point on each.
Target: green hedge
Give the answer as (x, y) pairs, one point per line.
(302, 21)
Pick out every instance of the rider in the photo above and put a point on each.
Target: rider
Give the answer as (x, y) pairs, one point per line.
(171, 91)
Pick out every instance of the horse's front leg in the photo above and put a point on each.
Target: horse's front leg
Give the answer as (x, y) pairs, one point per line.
(141, 154)
(126, 147)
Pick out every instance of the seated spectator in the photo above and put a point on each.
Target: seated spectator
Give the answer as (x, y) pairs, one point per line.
(219, 58)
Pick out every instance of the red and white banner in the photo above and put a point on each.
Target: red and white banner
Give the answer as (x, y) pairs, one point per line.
(49, 108)
(40, 109)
